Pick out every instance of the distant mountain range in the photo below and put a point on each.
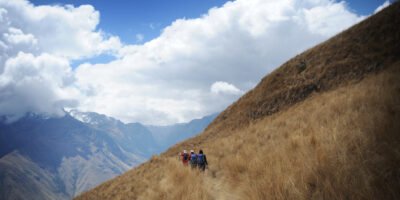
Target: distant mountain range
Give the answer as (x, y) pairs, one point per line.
(165, 136)
(58, 158)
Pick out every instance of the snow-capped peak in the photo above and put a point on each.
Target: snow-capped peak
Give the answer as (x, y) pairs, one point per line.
(92, 117)
(83, 117)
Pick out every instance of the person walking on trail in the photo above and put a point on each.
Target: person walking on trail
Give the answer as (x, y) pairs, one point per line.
(193, 159)
(202, 161)
(185, 158)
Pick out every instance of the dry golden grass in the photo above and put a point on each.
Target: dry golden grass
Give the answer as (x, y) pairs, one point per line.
(330, 132)
(339, 145)
(343, 144)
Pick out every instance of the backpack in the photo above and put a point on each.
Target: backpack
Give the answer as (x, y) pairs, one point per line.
(185, 157)
(200, 159)
(193, 159)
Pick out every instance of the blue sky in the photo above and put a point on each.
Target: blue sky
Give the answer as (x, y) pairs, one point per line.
(127, 18)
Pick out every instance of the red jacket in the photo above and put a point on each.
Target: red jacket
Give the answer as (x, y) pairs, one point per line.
(185, 161)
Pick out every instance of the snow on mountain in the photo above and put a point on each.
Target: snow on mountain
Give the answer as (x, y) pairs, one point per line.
(90, 117)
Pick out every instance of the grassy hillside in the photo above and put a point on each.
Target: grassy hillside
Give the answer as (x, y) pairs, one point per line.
(324, 125)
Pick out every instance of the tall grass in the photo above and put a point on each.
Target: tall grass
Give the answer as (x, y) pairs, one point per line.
(339, 145)
(342, 144)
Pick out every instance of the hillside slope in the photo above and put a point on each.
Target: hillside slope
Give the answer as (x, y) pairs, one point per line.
(324, 125)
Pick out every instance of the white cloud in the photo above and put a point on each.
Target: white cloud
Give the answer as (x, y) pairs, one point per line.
(36, 45)
(334, 14)
(16, 36)
(35, 84)
(65, 31)
(221, 87)
(381, 7)
(162, 81)
(168, 79)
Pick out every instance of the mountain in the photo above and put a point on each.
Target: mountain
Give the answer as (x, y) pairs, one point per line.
(150, 139)
(141, 142)
(324, 125)
(172, 134)
(58, 158)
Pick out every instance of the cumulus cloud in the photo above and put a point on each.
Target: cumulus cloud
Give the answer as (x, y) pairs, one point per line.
(381, 7)
(65, 31)
(172, 78)
(16, 36)
(221, 87)
(168, 79)
(37, 44)
(35, 84)
(335, 15)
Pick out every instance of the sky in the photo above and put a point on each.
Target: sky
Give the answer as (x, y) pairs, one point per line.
(129, 19)
(154, 62)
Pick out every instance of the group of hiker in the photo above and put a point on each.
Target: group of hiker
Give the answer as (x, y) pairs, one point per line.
(195, 160)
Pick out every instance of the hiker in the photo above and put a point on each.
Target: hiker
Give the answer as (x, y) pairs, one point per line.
(202, 161)
(185, 157)
(193, 159)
